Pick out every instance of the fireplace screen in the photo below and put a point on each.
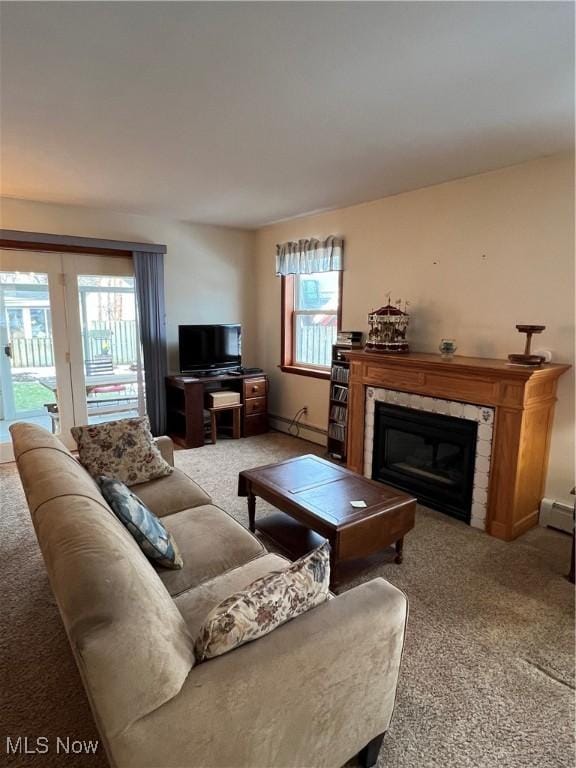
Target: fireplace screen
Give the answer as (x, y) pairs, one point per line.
(427, 454)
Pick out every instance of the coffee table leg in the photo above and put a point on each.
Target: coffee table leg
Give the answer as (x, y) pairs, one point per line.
(251, 511)
(333, 565)
(399, 547)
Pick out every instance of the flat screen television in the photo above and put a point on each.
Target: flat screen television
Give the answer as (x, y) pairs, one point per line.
(209, 347)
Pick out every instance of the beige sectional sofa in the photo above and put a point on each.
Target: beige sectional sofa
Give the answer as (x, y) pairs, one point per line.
(314, 692)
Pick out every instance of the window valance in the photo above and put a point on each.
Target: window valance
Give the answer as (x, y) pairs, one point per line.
(303, 257)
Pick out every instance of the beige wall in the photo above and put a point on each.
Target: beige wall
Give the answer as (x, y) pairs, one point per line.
(474, 257)
(207, 269)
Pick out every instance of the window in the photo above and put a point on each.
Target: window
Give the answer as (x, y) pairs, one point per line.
(15, 322)
(310, 321)
(39, 323)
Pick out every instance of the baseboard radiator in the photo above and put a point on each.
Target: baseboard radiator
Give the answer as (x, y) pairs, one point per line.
(307, 431)
(556, 514)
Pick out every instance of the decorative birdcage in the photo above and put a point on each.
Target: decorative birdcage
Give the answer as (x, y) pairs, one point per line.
(387, 329)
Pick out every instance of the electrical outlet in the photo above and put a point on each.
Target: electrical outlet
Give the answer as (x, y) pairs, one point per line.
(305, 411)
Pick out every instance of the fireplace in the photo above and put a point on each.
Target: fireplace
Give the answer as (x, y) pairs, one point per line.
(443, 457)
(512, 406)
(430, 455)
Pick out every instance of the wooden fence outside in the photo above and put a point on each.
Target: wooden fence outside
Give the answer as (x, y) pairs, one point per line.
(314, 344)
(118, 338)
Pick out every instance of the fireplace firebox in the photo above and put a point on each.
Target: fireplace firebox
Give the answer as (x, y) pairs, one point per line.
(430, 455)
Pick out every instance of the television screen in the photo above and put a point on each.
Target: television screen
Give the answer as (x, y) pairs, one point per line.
(208, 347)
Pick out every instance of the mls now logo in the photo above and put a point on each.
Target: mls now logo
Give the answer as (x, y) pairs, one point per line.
(40, 745)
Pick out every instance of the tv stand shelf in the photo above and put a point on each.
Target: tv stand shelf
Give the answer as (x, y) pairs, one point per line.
(186, 399)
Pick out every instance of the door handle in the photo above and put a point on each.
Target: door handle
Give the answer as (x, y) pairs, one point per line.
(8, 350)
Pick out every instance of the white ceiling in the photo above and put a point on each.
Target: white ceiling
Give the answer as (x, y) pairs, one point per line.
(245, 113)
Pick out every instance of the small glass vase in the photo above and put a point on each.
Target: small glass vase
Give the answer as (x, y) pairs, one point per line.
(447, 349)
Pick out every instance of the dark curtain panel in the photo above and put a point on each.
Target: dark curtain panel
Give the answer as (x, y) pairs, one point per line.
(149, 273)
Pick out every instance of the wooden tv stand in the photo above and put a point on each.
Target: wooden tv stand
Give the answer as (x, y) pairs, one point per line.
(186, 399)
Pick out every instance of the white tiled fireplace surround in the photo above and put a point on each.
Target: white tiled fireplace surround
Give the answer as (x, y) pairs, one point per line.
(483, 415)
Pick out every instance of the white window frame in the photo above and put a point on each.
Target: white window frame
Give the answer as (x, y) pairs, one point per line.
(292, 315)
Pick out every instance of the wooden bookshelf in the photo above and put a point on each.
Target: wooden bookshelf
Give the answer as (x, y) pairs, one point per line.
(338, 403)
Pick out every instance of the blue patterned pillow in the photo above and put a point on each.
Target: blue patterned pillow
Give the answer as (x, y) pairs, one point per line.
(151, 536)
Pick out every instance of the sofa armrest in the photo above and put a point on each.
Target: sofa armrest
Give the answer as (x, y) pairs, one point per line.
(166, 448)
(312, 693)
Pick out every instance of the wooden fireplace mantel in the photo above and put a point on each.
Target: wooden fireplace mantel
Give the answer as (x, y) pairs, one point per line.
(523, 399)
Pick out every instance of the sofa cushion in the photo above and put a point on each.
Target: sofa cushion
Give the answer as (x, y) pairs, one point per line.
(123, 449)
(166, 448)
(47, 468)
(211, 542)
(170, 494)
(43, 482)
(29, 437)
(195, 604)
(151, 536)
(265, 604)
(131, 642)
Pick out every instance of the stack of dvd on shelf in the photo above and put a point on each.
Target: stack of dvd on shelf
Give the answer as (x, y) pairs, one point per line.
(338, 414)
(339, 379)
(341, 374)
(337, 432)
(339, 393)
(349, 339)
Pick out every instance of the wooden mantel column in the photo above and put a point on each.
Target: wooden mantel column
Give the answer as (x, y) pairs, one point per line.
(523, 399)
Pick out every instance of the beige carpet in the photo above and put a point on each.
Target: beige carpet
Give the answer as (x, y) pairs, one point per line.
(488, 672)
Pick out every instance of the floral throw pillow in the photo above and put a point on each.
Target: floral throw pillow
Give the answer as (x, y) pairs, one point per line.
(123, 449)
(265, 604)
(148, 531)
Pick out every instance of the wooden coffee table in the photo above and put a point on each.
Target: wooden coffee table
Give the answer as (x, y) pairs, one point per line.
(314, 496)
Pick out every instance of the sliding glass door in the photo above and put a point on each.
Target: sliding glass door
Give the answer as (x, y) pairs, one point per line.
(70, 350)
(35, 383)
(27, 345)
(107, 375)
